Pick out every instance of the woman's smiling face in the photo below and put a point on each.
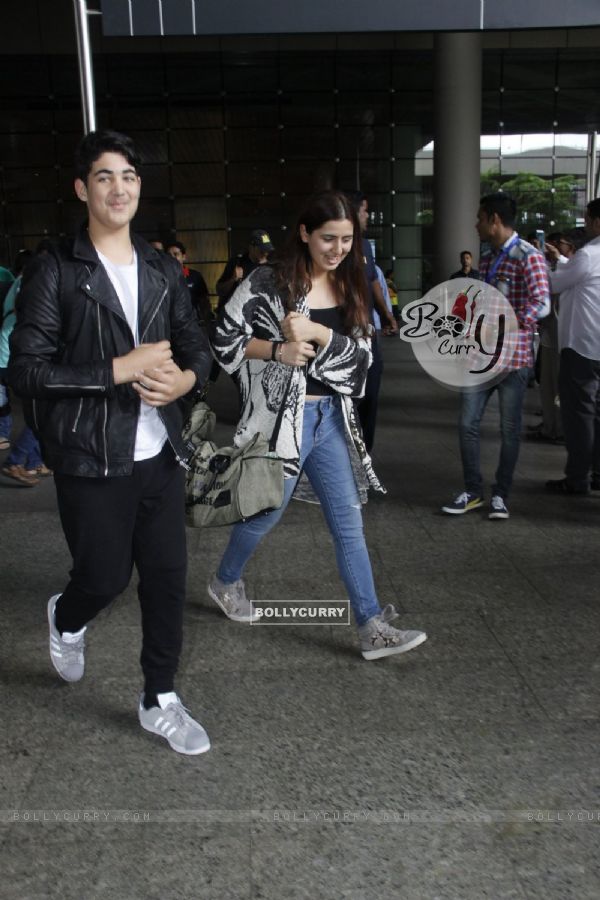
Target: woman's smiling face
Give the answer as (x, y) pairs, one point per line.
(328, 244)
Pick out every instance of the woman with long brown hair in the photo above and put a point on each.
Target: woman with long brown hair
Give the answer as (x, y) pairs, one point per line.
(297, 336)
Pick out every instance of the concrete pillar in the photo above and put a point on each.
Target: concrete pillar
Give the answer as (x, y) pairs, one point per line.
(457, 128)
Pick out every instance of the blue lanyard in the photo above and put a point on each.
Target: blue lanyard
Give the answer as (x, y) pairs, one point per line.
(499, 260)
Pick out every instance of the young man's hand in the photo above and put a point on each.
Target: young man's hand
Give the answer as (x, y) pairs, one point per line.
(162, 385)
(145, 357)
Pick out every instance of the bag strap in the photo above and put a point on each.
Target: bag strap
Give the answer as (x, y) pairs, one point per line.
(279, 419)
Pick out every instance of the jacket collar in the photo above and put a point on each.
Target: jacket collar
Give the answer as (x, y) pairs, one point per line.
(85, 250)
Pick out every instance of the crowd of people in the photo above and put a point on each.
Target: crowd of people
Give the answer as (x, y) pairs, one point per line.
(109, 339)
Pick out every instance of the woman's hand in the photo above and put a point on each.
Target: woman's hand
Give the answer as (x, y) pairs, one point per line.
(295, 353)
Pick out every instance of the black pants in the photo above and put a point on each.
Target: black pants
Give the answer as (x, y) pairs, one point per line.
(113, 523)
(367, 405)
(579, 390)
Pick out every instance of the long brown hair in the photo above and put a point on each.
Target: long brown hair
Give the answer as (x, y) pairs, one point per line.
(293, 268)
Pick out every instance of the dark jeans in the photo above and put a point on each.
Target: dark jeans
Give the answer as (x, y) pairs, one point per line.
(579, 390)
(113, 523)
(511, 391)
(367, 405)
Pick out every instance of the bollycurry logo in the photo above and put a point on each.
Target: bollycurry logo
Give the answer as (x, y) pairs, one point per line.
(463, 333)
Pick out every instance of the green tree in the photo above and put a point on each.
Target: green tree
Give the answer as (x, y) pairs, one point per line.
(550, 204)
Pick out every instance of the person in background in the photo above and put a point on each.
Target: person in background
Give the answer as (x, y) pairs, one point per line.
(466, 266)
(195, 282)
(298, 334)
(240, 266)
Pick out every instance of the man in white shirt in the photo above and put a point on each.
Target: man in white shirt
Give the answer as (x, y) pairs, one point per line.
(578, 283)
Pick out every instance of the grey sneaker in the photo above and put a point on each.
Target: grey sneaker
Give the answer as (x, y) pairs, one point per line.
(175, 724)
(379, 638)
(232, 600)
(498, 508)
(66, 650)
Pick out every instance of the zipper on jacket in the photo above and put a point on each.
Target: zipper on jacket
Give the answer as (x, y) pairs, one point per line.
(157, 307)
(77, 417)
(182, 462)
(105, 400)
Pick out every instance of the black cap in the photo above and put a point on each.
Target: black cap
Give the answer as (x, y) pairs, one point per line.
(260, 238)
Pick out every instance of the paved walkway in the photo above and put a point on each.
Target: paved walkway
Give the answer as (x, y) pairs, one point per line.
(465, 770)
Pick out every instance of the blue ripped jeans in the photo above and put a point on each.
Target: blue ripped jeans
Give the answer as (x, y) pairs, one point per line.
(324, 457)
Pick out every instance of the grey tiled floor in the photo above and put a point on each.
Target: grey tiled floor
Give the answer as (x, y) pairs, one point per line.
(467, 770)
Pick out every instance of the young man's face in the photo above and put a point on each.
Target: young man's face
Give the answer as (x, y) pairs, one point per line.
(466, 260)
(177, 254)
(111, 192)
(592, 226)
(485, 225)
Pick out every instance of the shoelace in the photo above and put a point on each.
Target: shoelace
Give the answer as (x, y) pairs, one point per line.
(497, 503)
(388, 615)
(180, 714)
(462, 498)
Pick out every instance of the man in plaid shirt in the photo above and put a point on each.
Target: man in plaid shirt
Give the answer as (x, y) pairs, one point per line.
(519, 272)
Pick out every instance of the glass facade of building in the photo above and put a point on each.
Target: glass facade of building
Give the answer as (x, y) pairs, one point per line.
(235, 140)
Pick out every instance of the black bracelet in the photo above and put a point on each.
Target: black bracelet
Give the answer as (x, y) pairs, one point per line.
(276, 344)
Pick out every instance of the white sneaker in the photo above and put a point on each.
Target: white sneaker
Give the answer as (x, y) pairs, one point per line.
(66, 650)
(498, 508)
(172, 721)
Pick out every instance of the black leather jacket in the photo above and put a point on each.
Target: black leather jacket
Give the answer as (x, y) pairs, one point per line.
(70, 326)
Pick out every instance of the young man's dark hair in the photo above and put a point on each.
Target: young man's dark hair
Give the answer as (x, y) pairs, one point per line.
(593, 208)
(356, 198)
(502, 205)
(96, 143)
(465, 253)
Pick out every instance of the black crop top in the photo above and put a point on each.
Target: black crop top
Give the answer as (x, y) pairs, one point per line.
(330, 317)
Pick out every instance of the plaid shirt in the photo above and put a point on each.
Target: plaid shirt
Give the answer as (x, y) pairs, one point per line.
(522, 277)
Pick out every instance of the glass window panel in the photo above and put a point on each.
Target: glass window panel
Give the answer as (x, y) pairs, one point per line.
(413, 71)
(298, 143)
(20, 119)
(414, 106)
(198, 144)
(26, 149)
(307, 109)
(252, 143)
(307, 72)
(258, 112)
(197, 110)
(363, 109)
(30, 80)
(208, 212)
(570, 165)
(578, 69)
(31, 218)
(203, 178)
(358, 71)
(529, 70)
(253, 178)
(255, 212)
(407, 140)
(408, 273)
(156, 181)
(407, 296)
(527, 110)
(153, 215)
(135, 74)
(364, 142)
(491, 71)
(302, 178)
(491, 113)
(65, 76)
(380, 210)
(407, 241)
(142, 115)
(204, 246)
(578, 110)
(184, 75)
(247, 76)
(536, 165)
(406, 208)
(30, 184)
(211, 272)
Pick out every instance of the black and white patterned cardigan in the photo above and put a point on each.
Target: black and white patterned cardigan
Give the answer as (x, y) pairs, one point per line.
(256, 310)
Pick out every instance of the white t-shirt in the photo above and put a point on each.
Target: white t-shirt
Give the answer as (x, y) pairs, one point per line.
(151, 433)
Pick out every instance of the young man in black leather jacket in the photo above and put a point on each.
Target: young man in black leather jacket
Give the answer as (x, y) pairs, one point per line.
(106, 343)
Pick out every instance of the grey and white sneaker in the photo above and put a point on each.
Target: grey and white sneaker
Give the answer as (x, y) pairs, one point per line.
(173, 722)
(66, 650)
(232, 600)
(498, 508)
(378, 638)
